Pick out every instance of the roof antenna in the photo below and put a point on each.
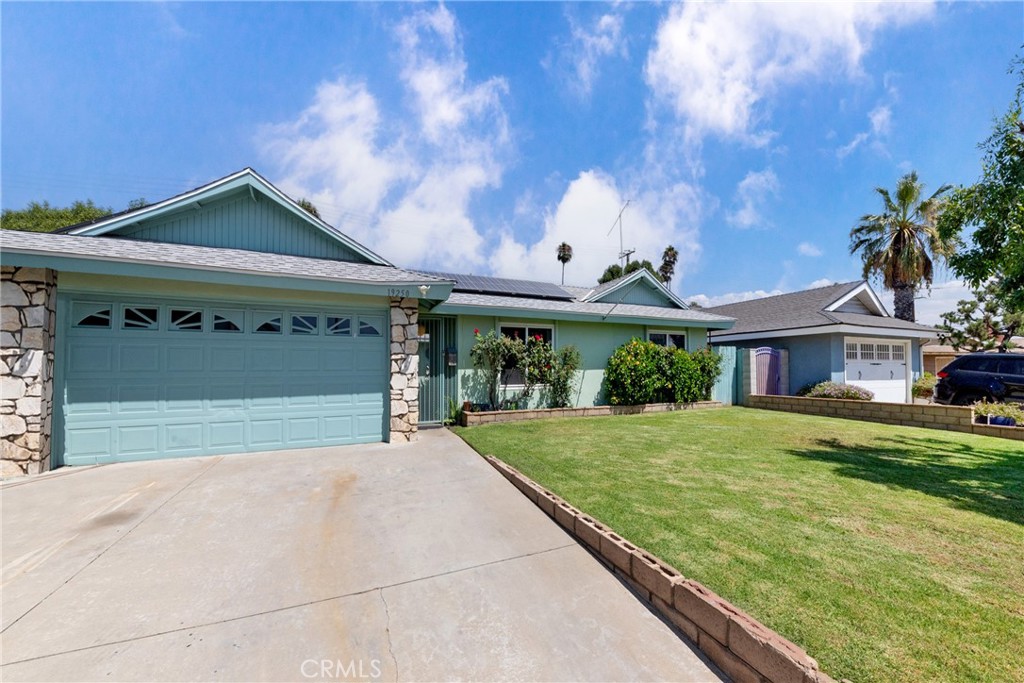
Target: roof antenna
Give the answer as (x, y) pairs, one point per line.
(623, 252)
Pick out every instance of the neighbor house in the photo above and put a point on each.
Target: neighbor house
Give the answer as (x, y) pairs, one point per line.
(228, 319)
(841, 333)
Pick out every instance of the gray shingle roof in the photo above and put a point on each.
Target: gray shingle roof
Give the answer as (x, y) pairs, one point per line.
(209, 258)
(804, 309)
(673, 315)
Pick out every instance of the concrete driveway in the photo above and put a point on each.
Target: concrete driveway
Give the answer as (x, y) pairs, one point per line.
(410, 562)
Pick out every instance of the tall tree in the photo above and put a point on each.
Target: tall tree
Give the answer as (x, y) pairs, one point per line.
(309, 206)
(615, 271)
(669, 258)
(564, 252)
(994, 207)
(38, 217)
(983, 323)
(901, 244)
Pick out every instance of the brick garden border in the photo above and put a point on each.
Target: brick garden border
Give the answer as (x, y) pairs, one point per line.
(930, 416)
(743, 648)
(487, 417)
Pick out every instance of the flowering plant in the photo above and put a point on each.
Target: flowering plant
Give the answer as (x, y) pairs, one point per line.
(837, 390)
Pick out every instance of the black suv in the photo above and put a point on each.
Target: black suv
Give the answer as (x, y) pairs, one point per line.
(981, 376)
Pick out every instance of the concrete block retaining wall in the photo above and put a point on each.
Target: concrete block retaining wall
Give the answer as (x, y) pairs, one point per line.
(473, 419)
(742, 647)
(932, 416)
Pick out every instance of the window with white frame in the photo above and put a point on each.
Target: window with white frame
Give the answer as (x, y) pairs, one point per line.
(881, 351)
(899, 353)
(851, 350)
(673, 340)
(512, 375)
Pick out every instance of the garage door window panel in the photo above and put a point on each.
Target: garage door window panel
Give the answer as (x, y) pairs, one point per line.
(91, 315)
(370, 326)
(338, 325)
(265, 322)
(140, 318)
(228, 320)
(186, 320)
(305, 324)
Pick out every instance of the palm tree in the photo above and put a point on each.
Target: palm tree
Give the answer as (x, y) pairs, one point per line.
(669, 257)
(564, 256)
(901, 244)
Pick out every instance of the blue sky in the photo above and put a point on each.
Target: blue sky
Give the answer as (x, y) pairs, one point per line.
(477, 136)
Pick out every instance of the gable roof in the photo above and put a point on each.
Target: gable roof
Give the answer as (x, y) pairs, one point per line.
(809, 309)
(107, 255)
(246, 179)
(623, 285)
(477, 295)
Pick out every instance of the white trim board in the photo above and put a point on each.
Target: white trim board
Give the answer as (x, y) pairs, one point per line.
(863, 288)
(825, 329)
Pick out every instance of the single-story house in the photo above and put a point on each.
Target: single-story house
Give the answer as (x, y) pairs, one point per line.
(841, 333)
(228, 319)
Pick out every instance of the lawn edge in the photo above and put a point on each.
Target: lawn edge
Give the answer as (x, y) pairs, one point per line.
(742, 647)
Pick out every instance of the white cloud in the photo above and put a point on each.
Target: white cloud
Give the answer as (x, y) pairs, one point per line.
(808, 249)
(706, 301)
(821, 282)
(715, 64)
(880, 120)
(587, 46)
(942, 299)
(752, 193)
(583, 218)
(402, 183)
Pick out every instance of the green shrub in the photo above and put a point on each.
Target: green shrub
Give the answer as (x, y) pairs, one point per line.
(641, 372)
(806, 389)
(924, 385)
(636, 373)
(1000, 410)
(562, 377)
(709, 368)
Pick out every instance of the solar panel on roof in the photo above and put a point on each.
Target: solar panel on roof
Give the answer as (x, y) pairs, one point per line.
(481, 284)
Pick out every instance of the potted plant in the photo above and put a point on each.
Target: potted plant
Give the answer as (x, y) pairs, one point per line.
(998, 414)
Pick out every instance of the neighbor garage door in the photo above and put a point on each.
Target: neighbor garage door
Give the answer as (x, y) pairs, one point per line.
(878, 366)
(154, 379)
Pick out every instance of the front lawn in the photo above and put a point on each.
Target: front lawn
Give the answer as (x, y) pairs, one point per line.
(888, 553)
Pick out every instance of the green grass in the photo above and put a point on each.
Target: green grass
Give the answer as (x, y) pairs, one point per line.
(888, 553)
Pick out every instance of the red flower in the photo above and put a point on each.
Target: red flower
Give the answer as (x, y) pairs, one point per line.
(539, 338)
(476, 330)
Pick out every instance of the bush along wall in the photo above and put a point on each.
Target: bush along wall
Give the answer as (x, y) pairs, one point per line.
(641, 372)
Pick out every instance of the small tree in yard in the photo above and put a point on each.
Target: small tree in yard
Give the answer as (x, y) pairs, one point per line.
(532, 360)
(982, 324)
(994, 208)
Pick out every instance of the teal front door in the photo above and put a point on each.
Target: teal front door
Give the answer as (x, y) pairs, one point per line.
(145, 379)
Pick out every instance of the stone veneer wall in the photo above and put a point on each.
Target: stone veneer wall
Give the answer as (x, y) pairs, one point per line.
(930, 416)
(405, 375)
(28, 297)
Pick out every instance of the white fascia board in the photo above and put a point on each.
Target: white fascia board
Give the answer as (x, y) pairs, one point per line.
(245, 177)
(860, 330)
(106, 225)
(641, 274)
(862, 288)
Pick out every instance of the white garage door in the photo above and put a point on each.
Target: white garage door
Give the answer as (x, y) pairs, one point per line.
(878, 366)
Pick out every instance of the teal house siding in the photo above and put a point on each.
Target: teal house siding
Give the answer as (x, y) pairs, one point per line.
(639, 295)
(596, 343)
(241, 222)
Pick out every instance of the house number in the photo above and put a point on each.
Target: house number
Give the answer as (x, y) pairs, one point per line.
(397, 291)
